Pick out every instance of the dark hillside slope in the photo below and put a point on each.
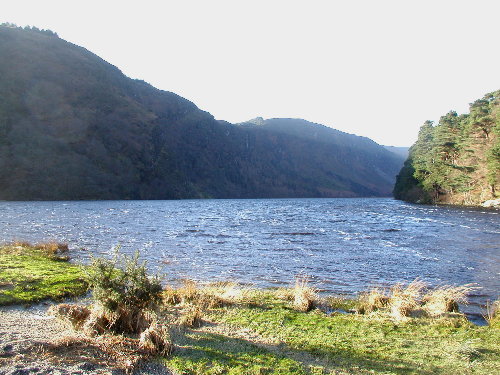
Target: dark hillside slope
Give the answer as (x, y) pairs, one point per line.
(358, 158)
(73, 126)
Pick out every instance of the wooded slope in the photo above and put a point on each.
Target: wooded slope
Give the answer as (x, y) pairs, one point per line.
(72, 126)
(456, 161)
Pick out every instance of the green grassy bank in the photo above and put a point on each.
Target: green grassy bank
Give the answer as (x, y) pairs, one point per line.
(32, 273)
(227, 329)
(264, 334)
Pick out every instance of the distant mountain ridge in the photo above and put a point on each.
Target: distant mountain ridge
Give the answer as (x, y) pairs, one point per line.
(372, 154)
(401, 151)
(72, 126)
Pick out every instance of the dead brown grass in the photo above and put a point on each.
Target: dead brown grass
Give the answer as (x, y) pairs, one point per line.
(156, 340)
(122, 320)
(304, 296)
(52, 249)
(96, 320)
(113, 351)
(445, 299)
(405, 299)
(415, 300)
(191, 317)
(74, 314)
(99, 342)
(285, 294)
(204, 296)
(21, 244)
(375, 299)
(492, 315)
(171, 296)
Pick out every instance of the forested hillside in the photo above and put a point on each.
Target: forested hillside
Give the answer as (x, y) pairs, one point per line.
(72, 126)
(456, 161)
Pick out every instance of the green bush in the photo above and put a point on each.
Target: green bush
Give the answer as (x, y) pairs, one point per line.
(123, 282)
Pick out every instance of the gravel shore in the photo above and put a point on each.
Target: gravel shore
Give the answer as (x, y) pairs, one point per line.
(25, 335)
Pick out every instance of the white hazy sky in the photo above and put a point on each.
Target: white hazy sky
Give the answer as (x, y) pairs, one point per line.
(377, 68)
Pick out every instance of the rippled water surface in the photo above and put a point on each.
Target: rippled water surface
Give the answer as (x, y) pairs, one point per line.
(343, 245)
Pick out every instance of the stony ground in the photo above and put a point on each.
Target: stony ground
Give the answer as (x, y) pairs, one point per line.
(29, 338)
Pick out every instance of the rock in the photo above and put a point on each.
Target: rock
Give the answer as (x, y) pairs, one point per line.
(491, 203)
(87, 366)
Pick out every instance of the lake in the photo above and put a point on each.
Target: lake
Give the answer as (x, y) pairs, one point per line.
(342, 245)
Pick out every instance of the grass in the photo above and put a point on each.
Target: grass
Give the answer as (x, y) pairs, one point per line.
(210, 353)
(224, 329)
(267, 335)
(31, 273)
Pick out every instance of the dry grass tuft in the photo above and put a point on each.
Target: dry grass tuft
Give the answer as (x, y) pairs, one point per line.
(99, 320)
(100, 341)
(156, 340)
(304, 296)
(95, 325)
(52, 247)
(171, 296)
(130, 320)
(375, 299)
(492, 315)
(21, 244)
(189, 292)
(226, 292)
(404, 300)
(122, 320)
(285, 294)
(74, 314)
(206, 297)
(416, 300)
(192, 317)
(445, 299)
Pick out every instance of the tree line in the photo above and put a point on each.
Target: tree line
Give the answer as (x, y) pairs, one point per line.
(457, 160)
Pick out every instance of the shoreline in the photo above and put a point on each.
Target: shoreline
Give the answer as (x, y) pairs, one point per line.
(26, 331)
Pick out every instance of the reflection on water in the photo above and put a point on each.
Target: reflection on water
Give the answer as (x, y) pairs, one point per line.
(343, 245)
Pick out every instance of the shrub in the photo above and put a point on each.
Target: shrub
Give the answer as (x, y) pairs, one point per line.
(124, 293)
(123, 282)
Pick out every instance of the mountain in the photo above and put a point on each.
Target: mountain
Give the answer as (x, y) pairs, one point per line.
(456, 161)
(400, 151)
(72, 126)
(367, 160)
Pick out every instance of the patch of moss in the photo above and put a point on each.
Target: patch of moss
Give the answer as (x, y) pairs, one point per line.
(29, 275)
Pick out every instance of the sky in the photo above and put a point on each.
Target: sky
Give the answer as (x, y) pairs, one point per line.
(373, 68)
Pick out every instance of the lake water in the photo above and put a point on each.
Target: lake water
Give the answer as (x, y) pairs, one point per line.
(343, 245)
